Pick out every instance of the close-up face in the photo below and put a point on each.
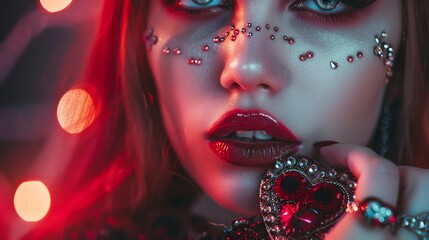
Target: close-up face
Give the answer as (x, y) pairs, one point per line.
(242, 83)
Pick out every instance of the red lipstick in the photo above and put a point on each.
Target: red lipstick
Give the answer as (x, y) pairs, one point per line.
(251, 138)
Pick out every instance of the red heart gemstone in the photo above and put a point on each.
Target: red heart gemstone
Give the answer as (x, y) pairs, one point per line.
(300, 200)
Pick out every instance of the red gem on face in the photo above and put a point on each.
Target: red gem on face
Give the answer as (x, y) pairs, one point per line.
(291, 186)
(326, 198)
(297, 219)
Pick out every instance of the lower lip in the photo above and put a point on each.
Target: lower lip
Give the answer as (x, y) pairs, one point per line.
(252, 154)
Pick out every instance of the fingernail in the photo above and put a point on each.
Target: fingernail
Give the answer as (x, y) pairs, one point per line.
(324, 143)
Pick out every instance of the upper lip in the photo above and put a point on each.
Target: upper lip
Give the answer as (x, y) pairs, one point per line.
(238, 120)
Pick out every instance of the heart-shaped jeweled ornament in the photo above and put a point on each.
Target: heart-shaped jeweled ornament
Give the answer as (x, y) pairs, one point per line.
(299, 200)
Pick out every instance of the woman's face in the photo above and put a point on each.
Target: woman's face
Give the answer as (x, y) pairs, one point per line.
(241, 83)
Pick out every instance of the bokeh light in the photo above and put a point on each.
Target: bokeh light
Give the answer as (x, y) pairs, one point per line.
(32, 201)
(55, 5)
(76, 111)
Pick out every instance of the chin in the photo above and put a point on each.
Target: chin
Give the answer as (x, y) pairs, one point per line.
(237, 189)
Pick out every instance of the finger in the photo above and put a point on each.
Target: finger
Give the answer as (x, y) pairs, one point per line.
(377, 177)
(413, 195)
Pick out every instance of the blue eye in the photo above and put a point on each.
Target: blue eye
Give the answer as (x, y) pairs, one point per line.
(333, 11)
(201, 4)
(323, 6)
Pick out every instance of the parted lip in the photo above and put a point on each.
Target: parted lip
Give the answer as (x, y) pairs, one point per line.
(251, 153)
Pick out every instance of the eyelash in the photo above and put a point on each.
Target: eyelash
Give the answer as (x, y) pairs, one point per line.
(174, 7)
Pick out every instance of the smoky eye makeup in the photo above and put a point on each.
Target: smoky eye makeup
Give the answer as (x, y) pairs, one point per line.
(330, 11)
(197, 8)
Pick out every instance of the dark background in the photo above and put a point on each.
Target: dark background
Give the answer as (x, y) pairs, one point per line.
(45, 68)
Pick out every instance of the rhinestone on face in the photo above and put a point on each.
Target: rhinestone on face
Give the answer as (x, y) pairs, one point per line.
(243, 30)
(258, 28)
(216, 39)
(249, 34)
(154, 39)
(249, 25)
(309, 54)
(205, 48)
(359, 55)
(149, 32)
(177, 51)
(236, 31)
(313, 168)
(350, 59)
(276, 29)
(166, 51)
(334, 65)
(291, 41)
(191, 60)
(302, 57)
(377, 39)
(233, 38)
(267, 26)
(272, 37)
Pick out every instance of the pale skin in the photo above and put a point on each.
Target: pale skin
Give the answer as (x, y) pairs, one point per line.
(316, 102)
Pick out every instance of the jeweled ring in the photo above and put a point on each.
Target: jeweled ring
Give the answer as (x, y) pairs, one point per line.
(379, 214)
(375, 212)
(417, 224)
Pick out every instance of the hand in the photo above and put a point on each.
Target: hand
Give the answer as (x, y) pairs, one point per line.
(413, 195)
(377, 177)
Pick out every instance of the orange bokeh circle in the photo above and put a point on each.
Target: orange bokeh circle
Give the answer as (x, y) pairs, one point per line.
(76, 111)
(55, 5)
(32, 201)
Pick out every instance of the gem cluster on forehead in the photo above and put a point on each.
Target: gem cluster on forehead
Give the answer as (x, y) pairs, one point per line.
(382, 50)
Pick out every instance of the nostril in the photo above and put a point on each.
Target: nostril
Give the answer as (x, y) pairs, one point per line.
(264, 86)
(235, 86)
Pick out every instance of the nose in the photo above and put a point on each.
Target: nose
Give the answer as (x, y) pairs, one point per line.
(254, 63)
